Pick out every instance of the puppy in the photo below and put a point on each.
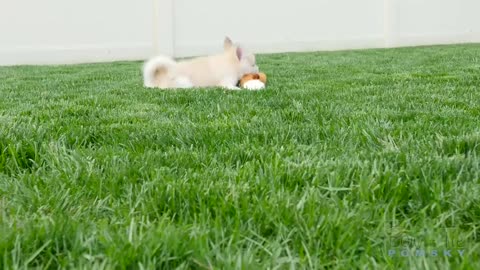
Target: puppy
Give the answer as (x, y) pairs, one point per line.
(223, 70)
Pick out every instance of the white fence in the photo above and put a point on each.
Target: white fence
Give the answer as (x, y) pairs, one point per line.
(66, 31)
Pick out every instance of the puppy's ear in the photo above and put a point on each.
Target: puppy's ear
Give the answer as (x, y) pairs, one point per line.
(239, 53)
(227, 43)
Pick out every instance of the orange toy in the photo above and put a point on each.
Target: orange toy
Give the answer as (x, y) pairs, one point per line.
(253, 81)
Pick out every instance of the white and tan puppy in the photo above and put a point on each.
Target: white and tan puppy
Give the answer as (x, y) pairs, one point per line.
(224, 69)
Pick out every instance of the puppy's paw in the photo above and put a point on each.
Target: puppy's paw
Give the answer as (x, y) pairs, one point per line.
(231, 87)
(254, 85)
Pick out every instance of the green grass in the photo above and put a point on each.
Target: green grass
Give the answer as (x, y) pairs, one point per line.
(345, 156)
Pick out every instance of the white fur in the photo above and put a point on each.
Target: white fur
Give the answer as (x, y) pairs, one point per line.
(154, 64)
(183, 82)
(229, 83)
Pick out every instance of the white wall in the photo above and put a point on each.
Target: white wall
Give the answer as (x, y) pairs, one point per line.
(422, 22)
(274, 26)
(66, 31)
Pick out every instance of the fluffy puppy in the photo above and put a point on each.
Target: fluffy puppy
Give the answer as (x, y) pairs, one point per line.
(224, 69)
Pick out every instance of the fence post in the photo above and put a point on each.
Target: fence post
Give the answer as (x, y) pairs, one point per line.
(164, 27)
(388, 23)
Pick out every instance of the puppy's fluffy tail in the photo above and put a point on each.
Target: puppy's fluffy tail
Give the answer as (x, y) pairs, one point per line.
(155, 71)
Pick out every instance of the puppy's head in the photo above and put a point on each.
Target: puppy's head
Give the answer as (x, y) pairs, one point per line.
(246, 60)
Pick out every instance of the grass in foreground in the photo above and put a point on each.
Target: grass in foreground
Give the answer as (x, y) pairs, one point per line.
(346, 158)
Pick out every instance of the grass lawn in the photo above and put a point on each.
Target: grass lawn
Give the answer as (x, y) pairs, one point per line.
(349, 160)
